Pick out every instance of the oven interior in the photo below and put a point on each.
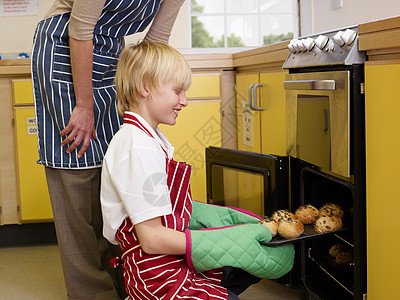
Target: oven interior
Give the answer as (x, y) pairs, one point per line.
(323, 275)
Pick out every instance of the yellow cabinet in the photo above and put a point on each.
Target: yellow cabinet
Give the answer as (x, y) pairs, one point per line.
(33, 196)
(382, 108)
(263, 130)
(22, 89)
(273, 115)
(197, 127)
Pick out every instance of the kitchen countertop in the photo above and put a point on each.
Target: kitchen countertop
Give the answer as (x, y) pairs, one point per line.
(380, 39)
(15, 66)
(196, 62)
(271, 56)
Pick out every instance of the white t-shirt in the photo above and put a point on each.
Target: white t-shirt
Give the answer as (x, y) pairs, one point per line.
(134, 178)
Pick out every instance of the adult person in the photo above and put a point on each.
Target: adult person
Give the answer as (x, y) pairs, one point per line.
(74, 58)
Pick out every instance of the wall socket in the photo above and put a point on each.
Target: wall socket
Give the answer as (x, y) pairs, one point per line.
(336, 4)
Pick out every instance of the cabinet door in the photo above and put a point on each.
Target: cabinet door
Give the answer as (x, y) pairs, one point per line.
(22, 89)
(382, 108)
(197, 127)
(273, 115)
(34, 201)
(248, 121)
(205, 86)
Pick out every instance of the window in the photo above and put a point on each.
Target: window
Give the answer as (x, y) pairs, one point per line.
(240, 23)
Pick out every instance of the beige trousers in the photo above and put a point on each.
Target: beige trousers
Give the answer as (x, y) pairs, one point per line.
(85, 253)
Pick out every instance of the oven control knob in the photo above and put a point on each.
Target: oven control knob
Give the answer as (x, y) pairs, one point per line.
(321, 41)
(349, 36)
(309, 43)
(338, 38)
(301, 45)
(291, 46)
(298, 45)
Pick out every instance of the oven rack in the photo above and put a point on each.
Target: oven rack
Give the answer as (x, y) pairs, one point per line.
(338, 275)
(344, 240)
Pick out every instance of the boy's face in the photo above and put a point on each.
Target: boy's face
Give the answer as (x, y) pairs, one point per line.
(164, 105)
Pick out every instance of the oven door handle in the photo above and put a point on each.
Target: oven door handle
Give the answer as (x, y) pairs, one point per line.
(253, 99)
(310, 85)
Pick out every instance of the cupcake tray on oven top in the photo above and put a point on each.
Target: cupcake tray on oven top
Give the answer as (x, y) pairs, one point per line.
(308, 233)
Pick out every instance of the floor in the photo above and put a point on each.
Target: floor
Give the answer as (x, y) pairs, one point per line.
(35, 273)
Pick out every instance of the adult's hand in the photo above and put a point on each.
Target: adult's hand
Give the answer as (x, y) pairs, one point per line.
(79, 130)
(80, 126)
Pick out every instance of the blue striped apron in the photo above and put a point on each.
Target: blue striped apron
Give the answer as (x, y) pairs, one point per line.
(52, 79)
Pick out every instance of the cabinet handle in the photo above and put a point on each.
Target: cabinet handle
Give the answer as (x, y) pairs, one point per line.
(310, 85)
(253, 105)
(250, 98)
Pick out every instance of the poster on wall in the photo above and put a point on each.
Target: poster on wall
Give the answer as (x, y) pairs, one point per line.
(18, 7)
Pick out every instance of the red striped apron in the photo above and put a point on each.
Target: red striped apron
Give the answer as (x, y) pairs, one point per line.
(166, 276)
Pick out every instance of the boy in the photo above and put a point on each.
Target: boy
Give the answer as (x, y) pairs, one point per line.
(146, 199)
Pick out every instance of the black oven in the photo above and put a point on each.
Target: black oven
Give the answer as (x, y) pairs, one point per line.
(325, 163)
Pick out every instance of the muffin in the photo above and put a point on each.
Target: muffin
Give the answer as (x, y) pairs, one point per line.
(344, 258)
(327, 223)
(336, 249)
(306, 214)
(331, 209)
(271, 224)
(282, 214)
(290, 228)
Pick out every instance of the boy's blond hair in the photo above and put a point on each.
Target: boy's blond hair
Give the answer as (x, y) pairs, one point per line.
(146, 67)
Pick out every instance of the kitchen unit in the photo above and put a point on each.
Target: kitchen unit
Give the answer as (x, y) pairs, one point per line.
(323, 162)
(34, 200)
(325, 113)
(17, 99)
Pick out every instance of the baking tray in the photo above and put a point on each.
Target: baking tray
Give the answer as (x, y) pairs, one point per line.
(308, 233)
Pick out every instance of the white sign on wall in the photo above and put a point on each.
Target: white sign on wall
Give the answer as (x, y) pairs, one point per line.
(18, 7)
(248, 138)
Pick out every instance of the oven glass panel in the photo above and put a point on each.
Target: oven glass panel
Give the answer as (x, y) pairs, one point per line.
(313, 130)
(238, 188)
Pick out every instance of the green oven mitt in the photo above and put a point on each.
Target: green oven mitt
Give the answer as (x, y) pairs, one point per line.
(208, 215)
(238, 246)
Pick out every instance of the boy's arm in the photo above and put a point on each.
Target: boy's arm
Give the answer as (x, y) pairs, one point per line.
(157, 239)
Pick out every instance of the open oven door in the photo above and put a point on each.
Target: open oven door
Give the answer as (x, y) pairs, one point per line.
(247, 180)
(253, 181)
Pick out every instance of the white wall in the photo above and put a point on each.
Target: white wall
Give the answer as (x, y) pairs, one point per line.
(16, 33)
(316, 16)
(322, 15)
